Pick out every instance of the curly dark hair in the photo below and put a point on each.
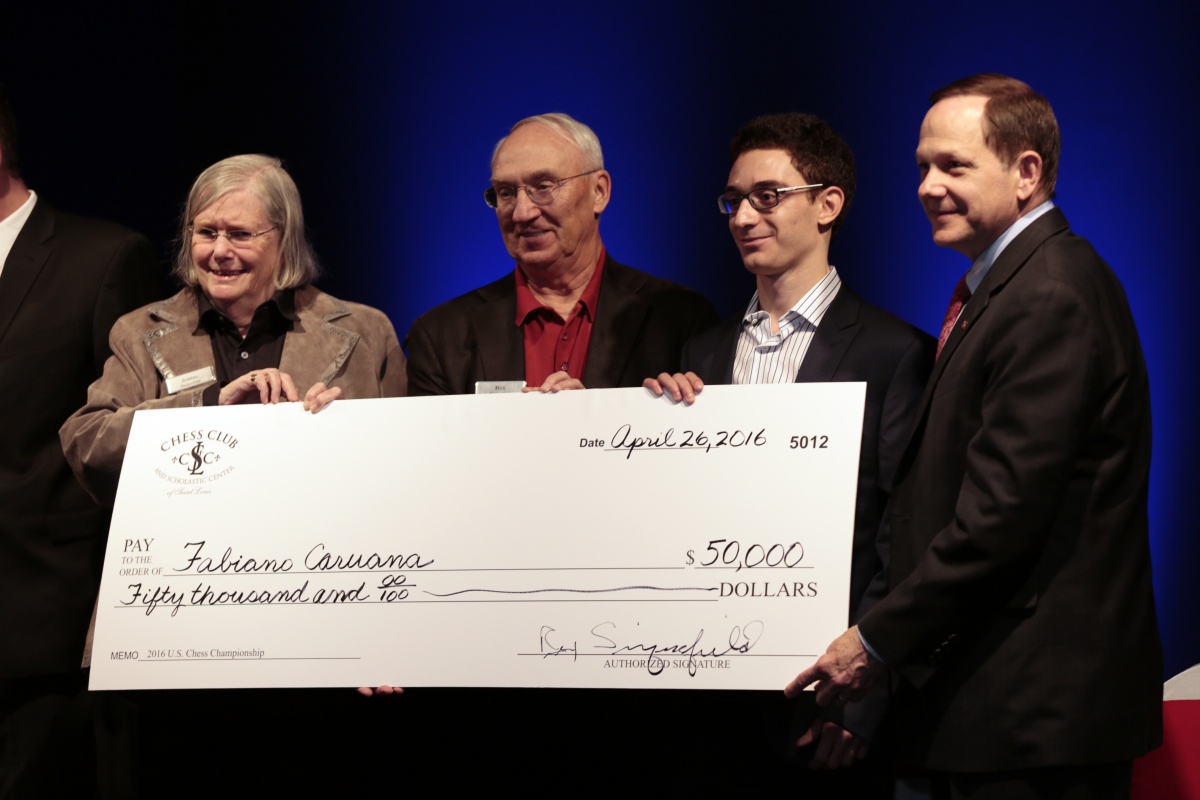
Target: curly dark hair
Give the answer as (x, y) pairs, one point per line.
(818, 153)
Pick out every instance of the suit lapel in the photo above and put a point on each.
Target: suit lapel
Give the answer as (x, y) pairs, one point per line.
(499, 343)
(726, 352)
(1006, 266)
(30, 252)
(619, 317)
(319, 355)
(837, 330)
(171, 344)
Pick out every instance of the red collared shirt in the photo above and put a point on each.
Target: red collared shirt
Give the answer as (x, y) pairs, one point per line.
(553, 344)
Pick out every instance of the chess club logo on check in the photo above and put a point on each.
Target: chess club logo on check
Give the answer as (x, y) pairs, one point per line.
(197, 457)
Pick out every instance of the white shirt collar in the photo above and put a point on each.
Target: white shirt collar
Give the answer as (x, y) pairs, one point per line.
(11, 226)
(811, 307)
(983, 263)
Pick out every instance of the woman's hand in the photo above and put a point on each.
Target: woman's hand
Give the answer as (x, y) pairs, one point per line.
(263, 385)
(320, 396)
(273, 386)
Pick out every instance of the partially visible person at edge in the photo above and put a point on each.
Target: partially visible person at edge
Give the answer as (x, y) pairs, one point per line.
(64, 281)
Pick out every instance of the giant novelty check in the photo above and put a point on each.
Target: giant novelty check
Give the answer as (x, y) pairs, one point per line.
(603, 538)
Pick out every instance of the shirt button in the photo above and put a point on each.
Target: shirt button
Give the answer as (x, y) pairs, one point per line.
(564, 337)
(564, 366)
(245, 355)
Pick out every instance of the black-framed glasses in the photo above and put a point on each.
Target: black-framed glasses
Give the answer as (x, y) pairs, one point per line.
(504, 195)
(760, 199)
(235, 238)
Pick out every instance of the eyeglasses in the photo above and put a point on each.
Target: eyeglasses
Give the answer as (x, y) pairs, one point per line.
(503, 195)
(760, 199)
(235, 238)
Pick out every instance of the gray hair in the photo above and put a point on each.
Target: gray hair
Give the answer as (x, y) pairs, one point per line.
(272, 186)
(569, 128)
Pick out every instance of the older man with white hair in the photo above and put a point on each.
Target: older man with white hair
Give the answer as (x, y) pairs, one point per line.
(569, 316)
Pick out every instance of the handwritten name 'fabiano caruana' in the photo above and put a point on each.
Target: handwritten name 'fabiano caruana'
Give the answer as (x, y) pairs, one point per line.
(318, 559)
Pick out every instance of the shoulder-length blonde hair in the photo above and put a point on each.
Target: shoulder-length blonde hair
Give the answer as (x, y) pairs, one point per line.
(270, 183)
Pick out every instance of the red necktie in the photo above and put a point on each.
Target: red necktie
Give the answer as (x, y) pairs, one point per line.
(957, 300)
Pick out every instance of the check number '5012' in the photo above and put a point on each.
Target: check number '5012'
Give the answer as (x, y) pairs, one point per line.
(814, 442)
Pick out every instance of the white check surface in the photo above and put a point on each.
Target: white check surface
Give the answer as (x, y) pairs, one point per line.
(484, 541)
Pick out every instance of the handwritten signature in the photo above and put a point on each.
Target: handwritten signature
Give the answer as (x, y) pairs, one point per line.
(740, 640)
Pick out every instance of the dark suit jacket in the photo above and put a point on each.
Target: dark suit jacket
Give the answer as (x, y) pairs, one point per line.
(65, 282)
(1021, 614)
(641, 325)
(855, 341)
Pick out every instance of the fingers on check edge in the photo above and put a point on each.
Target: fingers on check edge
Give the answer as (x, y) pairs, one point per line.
(320, 400)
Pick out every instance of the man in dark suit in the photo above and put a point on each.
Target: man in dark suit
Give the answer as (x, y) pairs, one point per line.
(1020, 618)
(569, 316)
(792, 181)
(64, 280)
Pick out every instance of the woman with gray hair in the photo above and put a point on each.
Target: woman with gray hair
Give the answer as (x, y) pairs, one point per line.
(248, 327)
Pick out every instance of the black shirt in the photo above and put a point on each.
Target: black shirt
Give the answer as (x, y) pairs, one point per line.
(262, 347)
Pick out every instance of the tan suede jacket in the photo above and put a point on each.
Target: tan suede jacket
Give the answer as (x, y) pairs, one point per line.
(333, 342)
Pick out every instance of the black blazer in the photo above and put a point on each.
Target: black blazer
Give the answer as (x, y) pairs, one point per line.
(1021, 611)
(855, 341)
(641, 325)
(64, 283)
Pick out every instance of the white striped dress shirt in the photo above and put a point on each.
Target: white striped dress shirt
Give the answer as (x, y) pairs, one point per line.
(764, 357)
(10, 227)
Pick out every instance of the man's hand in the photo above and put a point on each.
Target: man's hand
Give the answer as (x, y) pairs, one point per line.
(264, 385)
(843, 674)
(558, 382)
(320, 396)
(367, 691)
(836, 746)
(679, 386)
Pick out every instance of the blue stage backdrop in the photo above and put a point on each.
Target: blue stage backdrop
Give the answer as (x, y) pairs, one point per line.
(387, 113)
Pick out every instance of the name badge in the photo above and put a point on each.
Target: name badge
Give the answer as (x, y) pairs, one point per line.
(190, 380)
(498, 387)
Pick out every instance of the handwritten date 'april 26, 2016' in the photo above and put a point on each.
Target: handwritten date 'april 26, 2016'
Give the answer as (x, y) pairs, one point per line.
(626, 440)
